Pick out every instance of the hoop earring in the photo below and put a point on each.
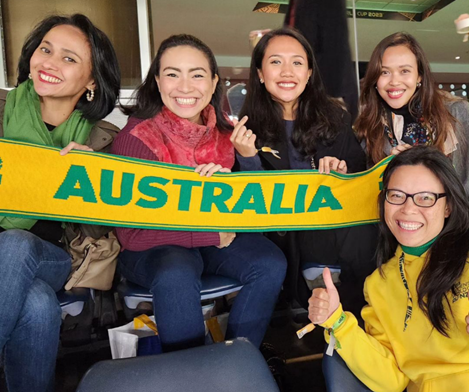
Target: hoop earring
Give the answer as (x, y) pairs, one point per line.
(419, 85)
(90, 95)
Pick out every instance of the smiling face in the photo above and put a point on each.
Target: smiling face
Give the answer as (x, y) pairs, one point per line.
(285, 71)
(399, 76)
(185, 82)
(410, 224)
(61, 65)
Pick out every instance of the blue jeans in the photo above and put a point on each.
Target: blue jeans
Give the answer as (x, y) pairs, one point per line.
(173, 275)
(31, 271)
(339, 377)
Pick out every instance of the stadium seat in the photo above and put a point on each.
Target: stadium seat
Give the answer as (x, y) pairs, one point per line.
(73, 301)
(231, 366)
(213, 286)
(312, 273)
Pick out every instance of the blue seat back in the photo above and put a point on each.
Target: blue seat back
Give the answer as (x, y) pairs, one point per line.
(213, 286)
(231, 366)
(312, 272)
(73, 301)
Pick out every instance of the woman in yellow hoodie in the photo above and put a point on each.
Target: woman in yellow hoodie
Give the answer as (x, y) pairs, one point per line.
(416, 321)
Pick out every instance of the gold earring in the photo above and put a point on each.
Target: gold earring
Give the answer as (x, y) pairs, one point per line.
(90, 95)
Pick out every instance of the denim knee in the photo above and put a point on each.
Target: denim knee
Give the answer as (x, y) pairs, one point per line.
(178, 272)
(25, 256)
(272, 265)
(41, 308)
(16, 243)
(338, 377)
(16, 237)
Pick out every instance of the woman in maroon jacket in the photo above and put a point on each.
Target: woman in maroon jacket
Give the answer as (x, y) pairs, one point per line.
(178, 119)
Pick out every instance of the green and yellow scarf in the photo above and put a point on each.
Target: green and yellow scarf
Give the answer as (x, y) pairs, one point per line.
(22, 121)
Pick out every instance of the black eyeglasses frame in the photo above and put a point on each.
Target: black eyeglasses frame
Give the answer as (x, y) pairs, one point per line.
(437, 196)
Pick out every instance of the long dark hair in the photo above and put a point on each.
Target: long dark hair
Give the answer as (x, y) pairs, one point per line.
(369, 124)
(448, 254)
(148, 98)
(318, 117)
(104, 65)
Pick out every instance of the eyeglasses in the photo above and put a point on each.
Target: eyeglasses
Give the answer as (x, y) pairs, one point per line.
(420, 199)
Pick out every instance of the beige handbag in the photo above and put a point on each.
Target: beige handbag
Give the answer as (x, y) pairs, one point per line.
(93, 262)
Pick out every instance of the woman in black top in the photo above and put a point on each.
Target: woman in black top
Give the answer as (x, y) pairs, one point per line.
(287, 109)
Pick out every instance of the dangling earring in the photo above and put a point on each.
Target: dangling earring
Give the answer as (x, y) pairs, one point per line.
(30, 76)
(419, 85)
(90, 95)
(261, 80)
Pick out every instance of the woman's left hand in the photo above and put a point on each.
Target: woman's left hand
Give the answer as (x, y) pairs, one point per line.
(327, 164)
(74, 146)
(207, 169)
(243, 139)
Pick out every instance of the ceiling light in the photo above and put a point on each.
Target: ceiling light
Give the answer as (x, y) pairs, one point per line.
(451, 87)
(440, 86)
(457, 57)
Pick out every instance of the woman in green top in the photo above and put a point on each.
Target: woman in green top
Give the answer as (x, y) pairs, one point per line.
(68, 79)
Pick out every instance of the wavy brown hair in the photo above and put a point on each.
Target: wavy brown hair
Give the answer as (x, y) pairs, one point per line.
(371, 120)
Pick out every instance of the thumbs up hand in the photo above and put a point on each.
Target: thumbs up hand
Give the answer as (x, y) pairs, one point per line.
(323, 302)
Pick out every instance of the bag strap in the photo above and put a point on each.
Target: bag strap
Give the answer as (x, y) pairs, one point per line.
(81, 270)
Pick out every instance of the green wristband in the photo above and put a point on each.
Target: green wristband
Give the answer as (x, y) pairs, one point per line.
(334, 343)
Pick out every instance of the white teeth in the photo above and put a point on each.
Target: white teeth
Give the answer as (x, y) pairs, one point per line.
(410, 226)
(395, 93)
(186, 101)
(287, 85)
(50, 79)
